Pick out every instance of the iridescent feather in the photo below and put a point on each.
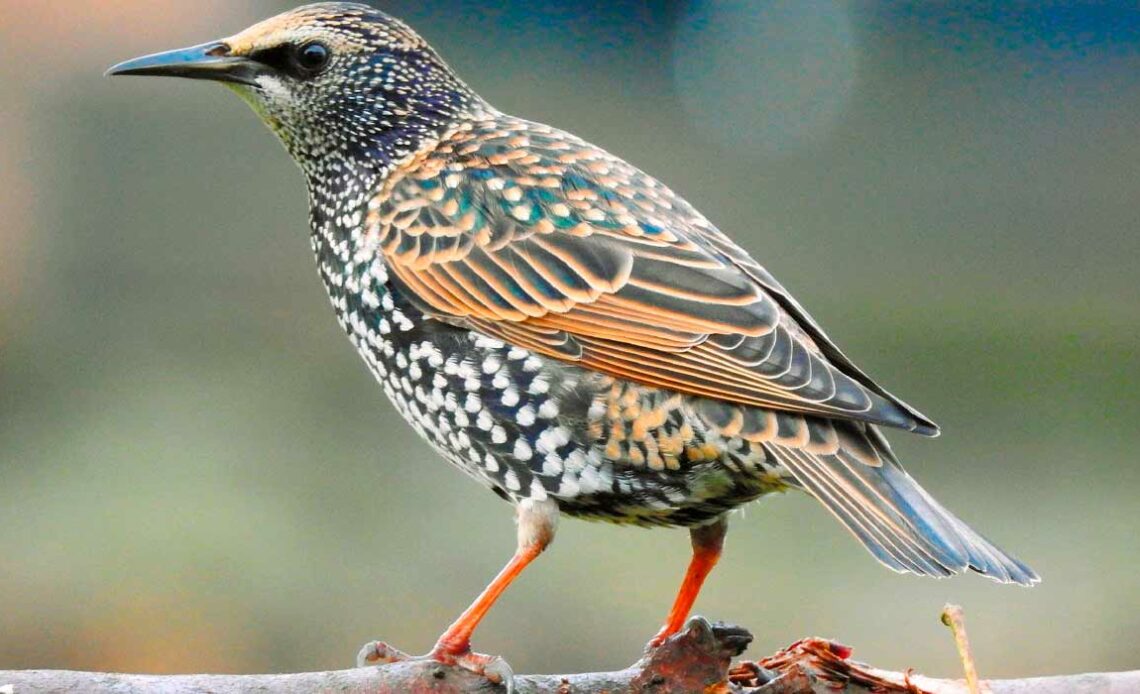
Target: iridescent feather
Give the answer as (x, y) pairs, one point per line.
(529, 234)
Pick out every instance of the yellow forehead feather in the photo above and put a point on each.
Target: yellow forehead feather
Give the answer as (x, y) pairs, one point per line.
(335, 24)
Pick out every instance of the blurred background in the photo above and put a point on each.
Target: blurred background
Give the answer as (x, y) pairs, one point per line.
(197, 473)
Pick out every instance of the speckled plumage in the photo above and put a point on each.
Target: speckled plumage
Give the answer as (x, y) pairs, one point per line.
(559, 325)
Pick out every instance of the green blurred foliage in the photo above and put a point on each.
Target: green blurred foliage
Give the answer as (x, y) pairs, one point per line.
(198, 474)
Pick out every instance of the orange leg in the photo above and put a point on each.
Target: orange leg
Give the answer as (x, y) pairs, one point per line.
(537, 522)
(708, 540)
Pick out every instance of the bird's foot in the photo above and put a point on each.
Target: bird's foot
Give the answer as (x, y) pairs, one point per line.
(491, 667)
(694, 659)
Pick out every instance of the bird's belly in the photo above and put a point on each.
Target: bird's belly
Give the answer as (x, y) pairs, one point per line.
(528, 426)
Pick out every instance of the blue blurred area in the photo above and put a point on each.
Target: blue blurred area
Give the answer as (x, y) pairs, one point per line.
(1052, 32)
(196, 474)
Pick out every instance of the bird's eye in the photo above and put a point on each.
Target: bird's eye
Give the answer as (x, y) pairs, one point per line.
(313, 57)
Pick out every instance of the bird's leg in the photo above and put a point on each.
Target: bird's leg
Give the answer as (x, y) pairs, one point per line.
(537, 522)
(708, 540)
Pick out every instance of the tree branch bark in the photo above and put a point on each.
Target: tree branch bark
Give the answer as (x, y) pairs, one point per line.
(696, 660)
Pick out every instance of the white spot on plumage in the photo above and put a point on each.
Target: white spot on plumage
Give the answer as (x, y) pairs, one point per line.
(498, 434)
(568, 487)
(552, 465)
(550, 440)
(489, 343)
(588, 480)
(548, 409)
(484, 421)
(576, 461)
(491, 463)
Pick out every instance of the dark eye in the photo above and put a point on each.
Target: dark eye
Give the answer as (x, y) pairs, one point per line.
(312, 57)
(300, 62)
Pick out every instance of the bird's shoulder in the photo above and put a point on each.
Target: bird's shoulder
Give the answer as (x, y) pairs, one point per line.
(543, 178)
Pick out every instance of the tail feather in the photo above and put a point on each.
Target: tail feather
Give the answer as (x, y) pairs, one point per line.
(866, 518)
(895, 518)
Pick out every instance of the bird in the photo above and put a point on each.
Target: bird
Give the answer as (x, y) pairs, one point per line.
(560, 325)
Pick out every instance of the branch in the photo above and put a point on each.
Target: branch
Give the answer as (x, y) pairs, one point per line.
(696, 660)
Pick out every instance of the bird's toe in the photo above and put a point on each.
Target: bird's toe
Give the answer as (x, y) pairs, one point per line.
(493, 667)
(379, 653)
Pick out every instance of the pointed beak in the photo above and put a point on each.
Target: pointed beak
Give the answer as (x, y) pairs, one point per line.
(209, 61)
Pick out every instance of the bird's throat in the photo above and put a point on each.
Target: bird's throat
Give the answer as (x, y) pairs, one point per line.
(272, 122)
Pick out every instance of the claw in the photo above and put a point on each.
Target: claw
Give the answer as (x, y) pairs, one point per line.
(379, 653)
(494, 668)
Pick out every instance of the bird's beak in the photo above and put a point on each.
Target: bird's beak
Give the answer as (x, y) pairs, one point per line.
(209, 61)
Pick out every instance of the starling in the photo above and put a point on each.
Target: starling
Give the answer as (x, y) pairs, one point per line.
(561, 326)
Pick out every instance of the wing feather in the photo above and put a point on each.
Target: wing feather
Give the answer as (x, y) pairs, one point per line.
(532, 236)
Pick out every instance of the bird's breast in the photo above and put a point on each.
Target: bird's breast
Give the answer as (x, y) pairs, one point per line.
(528, 426)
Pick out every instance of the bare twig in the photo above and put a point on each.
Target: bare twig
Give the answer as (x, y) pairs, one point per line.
(953, 617)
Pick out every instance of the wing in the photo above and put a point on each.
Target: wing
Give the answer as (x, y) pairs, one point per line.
(530, 235)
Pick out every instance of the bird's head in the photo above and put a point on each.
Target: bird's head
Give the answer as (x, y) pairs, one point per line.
(333, 80)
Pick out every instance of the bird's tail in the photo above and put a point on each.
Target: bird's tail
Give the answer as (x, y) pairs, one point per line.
(894, 518)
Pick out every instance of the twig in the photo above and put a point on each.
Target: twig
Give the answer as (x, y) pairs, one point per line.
(953, 617)
(696, 660)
